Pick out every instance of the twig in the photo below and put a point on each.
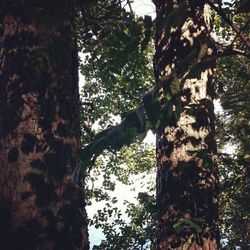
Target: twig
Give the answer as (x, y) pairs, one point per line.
(92, 163)
(231, 52)
(88, 130)
(244, 40)
(129, 5)
(226, 52)
(241, 30)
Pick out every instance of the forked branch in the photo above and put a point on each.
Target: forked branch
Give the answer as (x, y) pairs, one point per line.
(234, 27)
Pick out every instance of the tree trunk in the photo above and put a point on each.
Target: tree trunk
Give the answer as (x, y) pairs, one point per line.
(187, 181)
(40, 208)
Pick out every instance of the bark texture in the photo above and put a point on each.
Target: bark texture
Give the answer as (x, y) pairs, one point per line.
(39, 128)
(187, 182)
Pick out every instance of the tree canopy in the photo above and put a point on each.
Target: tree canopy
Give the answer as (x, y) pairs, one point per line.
(132, 76)
(121, 100)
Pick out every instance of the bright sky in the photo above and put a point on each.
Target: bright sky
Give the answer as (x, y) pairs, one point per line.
(143, 7)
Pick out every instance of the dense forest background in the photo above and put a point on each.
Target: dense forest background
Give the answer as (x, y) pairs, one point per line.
(124, 57)
(143, 78)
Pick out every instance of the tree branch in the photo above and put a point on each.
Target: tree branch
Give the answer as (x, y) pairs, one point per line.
(231, 52)
(228, 50)
(243, 39)
(241, 30)
(88, 130)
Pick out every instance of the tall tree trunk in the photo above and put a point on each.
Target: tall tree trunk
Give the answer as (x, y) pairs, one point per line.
(39, 128)
(187, 182)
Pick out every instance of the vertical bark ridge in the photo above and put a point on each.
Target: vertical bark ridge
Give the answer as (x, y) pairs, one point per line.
(39, 130)
(187, 182)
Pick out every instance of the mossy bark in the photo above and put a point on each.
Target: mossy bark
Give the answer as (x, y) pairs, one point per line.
(39, 128)
(187, 179)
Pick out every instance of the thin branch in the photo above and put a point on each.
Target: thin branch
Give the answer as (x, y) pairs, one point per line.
(90, 133)
(112, 151)
(225, 52)
(129, 5)
(228, 50)
(231, 52)
(92, 163)
(86, 103)
(241, 30)
(243, 39)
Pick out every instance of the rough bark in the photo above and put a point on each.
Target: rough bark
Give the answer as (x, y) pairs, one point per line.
(39, 128)
(187, 182)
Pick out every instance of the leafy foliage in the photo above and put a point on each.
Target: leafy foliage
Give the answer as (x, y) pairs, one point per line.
(117, 66)
(117, 70)
(234, 169)
(133, 228)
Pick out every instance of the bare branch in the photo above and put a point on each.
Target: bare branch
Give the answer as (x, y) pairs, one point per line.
(243, 39)
(241, 30)
(90, 133)
(231, 52)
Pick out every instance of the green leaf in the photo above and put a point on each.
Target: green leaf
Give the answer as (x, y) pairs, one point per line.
(178, 226)
(122, 36)
(194, 225)
(199, 220)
